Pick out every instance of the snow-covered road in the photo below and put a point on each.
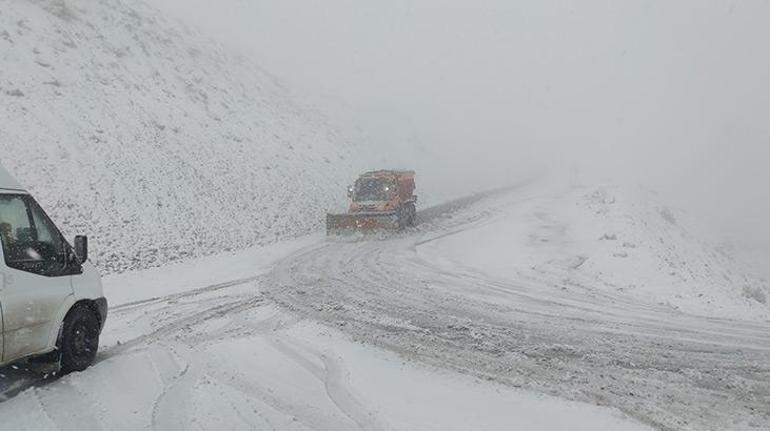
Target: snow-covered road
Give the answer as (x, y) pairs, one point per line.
(541, 330)
(369, 333)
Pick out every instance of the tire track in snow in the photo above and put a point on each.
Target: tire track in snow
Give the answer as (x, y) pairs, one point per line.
(309, 418)
(185, 320)
(76, 415)
(333, 375)
(22, 380)
(169, 408)
(183, 295)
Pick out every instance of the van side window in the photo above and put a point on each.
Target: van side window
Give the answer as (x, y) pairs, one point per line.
(31, 243)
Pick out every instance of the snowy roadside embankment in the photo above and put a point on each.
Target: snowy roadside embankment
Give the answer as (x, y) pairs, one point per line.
(154, 141)
(607, 239)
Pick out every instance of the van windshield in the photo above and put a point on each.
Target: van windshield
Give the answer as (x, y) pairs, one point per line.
(372, 189)
(30, 240)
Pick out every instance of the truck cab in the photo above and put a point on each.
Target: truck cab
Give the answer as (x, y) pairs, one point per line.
(51, 301)
(379, 200)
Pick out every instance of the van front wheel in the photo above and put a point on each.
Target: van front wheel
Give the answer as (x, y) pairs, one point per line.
(79, 339)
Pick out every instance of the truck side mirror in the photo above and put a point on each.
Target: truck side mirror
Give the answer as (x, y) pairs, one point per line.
(81, 248)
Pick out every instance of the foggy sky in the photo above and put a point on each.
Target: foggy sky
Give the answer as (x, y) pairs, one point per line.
(673, 95)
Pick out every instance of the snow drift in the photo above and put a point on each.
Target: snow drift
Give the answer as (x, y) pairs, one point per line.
(155, 141)
(611, 240)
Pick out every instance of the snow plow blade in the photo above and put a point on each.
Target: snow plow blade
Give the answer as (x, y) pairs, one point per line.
(341, 223)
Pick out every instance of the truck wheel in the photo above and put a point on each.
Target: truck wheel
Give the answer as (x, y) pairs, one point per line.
(411, 216)
(403, 218)
(79, 339)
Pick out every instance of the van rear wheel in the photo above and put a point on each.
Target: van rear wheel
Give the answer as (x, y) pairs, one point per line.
(79, 340)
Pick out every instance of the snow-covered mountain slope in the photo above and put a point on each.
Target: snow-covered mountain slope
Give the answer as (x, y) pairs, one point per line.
(617, 241)
(154, 141)
(658, 253)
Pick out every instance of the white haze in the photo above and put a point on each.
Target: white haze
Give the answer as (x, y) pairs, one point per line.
(672, 95)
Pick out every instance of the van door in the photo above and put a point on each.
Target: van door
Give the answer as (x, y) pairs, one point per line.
(36, 276)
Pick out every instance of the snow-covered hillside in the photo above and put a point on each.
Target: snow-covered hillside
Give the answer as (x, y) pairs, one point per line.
(155, 141)
(618, 241)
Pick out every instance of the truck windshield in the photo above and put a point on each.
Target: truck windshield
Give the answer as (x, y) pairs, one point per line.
(372, 190)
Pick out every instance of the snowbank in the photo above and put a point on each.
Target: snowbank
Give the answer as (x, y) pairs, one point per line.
(619, 240)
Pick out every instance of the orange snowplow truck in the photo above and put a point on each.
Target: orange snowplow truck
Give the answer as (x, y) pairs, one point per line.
(380, 200)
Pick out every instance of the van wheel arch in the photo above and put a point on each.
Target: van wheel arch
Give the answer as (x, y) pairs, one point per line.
(83, 303)
(87, 303)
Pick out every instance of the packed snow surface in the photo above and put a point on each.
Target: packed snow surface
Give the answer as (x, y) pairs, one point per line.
(155, 142)
(522, 287)
(179, 355)
(426, 330)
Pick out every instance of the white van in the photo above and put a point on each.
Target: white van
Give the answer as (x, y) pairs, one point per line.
(51, 300)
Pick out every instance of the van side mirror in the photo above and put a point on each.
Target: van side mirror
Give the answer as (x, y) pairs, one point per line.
(81, 248)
